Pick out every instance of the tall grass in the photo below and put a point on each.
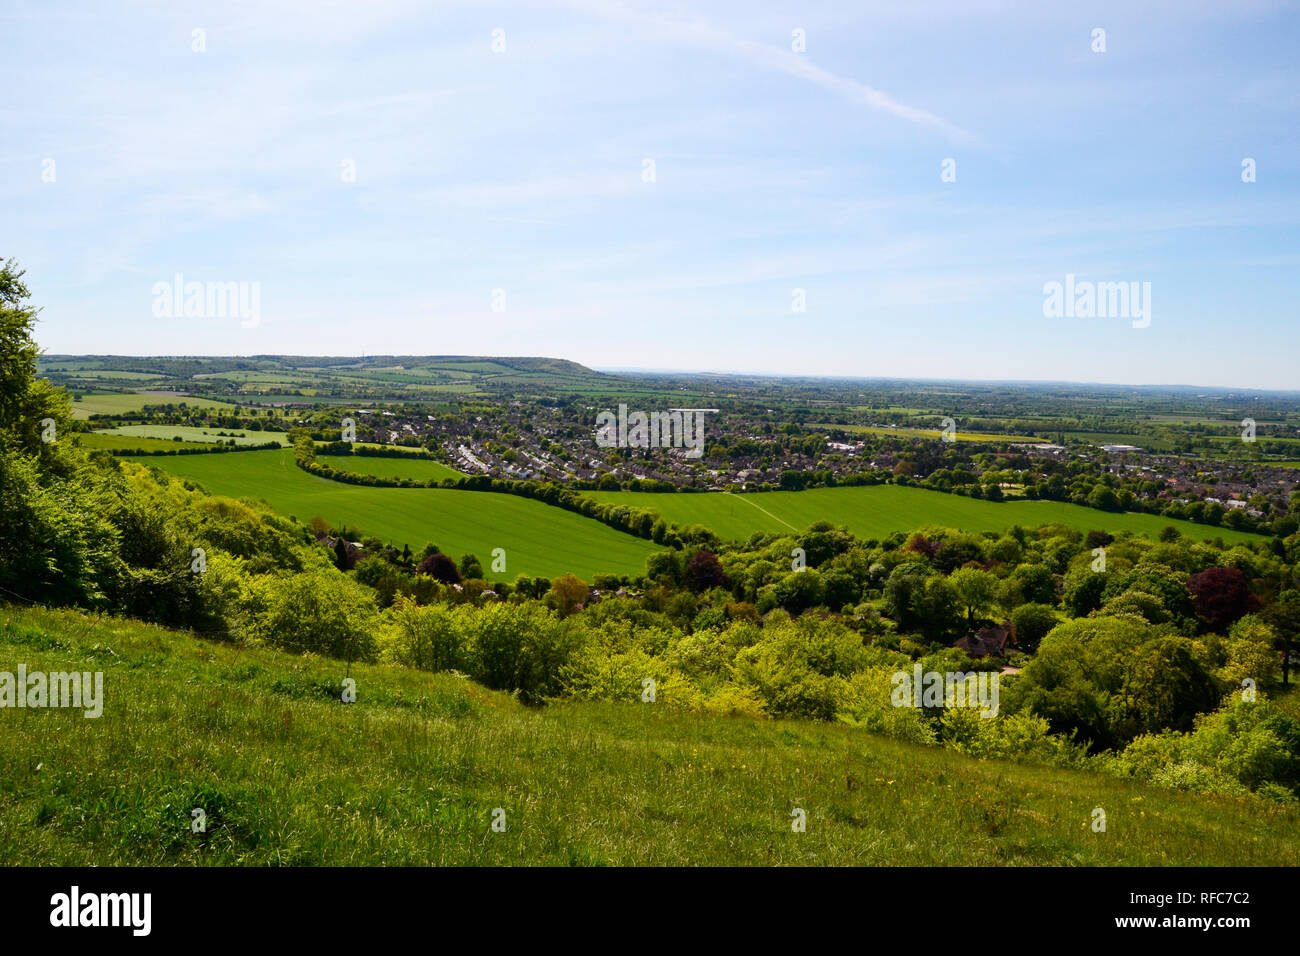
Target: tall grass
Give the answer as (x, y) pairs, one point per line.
(412, 772)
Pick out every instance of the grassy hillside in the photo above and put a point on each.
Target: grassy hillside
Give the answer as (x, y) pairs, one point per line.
(411, 773)
(538, 539)
(877, 510)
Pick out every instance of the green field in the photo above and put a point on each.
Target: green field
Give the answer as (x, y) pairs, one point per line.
(418, 469)
(193, 434)
(875, 511)
(119, 403)
(411, 773)
(133, 443)
(538, 539)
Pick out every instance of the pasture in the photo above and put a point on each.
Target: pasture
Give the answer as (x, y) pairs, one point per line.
(538, 539)
(105, 440)
(417, 469)
(188, 433)
(120, 403)
(875, 511)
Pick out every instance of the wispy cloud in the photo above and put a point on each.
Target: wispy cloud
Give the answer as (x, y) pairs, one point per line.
(688, 29)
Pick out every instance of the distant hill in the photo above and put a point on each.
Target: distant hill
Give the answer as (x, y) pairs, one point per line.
(173, 363)
(290, 378)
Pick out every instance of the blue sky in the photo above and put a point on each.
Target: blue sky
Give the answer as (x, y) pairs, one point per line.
(523, 170)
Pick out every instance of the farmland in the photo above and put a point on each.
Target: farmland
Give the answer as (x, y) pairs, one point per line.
(121, 403)
(417, 469)
(200, 435)
(538, 539)
(876, 511)
(129, 443)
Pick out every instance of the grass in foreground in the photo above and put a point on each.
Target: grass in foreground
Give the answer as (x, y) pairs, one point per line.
(411, 774)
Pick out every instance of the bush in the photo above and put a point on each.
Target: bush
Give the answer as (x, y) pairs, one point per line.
(57, 545)
(429, 638)
(865, 701)
(799, 668)
(1253, 742)
(1007, 737)
(519, 648)
(317, 611)
(1196, 778)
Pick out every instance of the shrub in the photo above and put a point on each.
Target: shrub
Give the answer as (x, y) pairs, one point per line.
(1007, 737)
(799, 667)
(430, 638)
(440, 567)
(1253, 742)
(520, 648)
(317, 611)
(865, 701)
(1196, 778)
(57, 545)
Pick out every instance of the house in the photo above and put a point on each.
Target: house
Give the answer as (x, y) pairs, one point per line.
(986, 641)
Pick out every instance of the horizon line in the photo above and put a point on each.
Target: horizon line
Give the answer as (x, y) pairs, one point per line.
(634, 370)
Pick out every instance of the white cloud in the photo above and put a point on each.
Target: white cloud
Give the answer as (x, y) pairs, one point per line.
(687, 29)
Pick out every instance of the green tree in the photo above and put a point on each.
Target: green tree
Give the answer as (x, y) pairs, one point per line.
(1164, 688)
(25, 401)
(976, 590)
(1284, 615)
(1104, 498)
(470, 566)
(1037, 583)
(1030, 623)
(567, 592)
